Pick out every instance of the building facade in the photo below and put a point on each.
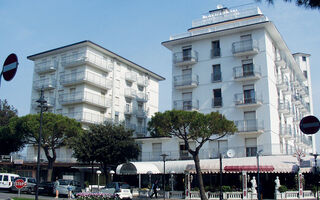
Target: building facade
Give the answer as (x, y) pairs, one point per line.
(235, 61)
(93, 85)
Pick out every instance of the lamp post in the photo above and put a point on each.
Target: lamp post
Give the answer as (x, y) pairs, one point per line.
(98, 173)
(112, 173)
(42, 106)
(316, 173)
(172, 174)
(164, 174)
(149, 173)
(220, 185)
(258, 174)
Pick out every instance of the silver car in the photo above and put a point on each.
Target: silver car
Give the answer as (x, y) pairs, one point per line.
(64, 185)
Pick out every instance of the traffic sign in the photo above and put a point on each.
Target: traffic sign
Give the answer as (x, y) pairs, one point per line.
(19, 183)
(10, 67)
(309, 124)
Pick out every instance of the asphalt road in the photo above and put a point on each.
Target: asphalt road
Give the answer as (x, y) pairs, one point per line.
(5, 195)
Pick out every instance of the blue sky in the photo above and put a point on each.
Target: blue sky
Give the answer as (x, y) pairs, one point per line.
(133, 29)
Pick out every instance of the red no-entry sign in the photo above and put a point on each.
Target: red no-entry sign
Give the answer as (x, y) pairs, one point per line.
(309, 125)
(19, 183)
(10, 67)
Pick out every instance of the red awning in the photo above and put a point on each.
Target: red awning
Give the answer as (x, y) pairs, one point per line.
(249, 168)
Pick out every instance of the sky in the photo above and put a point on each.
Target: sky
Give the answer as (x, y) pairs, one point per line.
(133, 29)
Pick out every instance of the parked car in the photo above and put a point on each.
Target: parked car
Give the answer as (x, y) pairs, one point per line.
(64, 184)
(47, 188)
(121, 189)
(29, 188)
(7, 180)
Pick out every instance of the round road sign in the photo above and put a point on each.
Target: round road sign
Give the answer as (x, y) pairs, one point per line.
(309, 124)
(10, 67)
(19, 183)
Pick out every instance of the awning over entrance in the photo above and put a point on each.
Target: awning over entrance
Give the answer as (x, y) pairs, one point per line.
(137, 168)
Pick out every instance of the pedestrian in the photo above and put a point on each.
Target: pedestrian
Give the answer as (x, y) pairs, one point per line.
(56, 185)
(70, 195)
(154, 188)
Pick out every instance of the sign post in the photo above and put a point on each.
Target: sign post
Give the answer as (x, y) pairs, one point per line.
(19, 184)
(309, 125)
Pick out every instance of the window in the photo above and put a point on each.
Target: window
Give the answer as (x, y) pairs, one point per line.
(186, 53)
(116, 117)
(156, 151)
(250, 121)
(216, 73)
(251, 147)
(305, 73)
(304, 58)
(217, 98)
(187, 101)
(183, 151)
(247, 67)
(5, 178)
(215, 51)
(249, 94)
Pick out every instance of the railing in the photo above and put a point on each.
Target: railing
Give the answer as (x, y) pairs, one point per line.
(46, 66)
(142, 81)
(131, 76)
(241, 72)
(141, 130)
(282, 82)
(86, 117)
(244, 46)
(181, 57)
(141, 96)
(215, 77)
(129, 92)
(46, 83)
(215, 195)
(186, 80)
(241, 99)
(77, 97)
(141, 113)
(285, 131)
(85, 76)
(187, 104)
(130, 126)
(128, 110)
(284, 107)
(251, 125)
(217, 102)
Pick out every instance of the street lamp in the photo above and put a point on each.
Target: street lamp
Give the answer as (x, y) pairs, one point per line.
(43, 107)
(258, 175)
(220, 185)
(172, 174)
(112, 173)
(149, 173)
(98, 173)
(164, 174)
(316, 173)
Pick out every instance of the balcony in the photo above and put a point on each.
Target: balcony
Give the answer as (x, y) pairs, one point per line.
(285, 69)
(282, 83)
(296, 99)
(216, 77)
(142, 81)
(215, 53)
(284, 107)
(89, 59)
(141, 131)
(85, 97)
(142, 97)
(85, 77)
(304, 91)
(285, 132)
(242, 101)
(216, 102)
(130, 126)
(183, 59)
(287, 90)
(250, 127)
(86, 117)
(187, 104)
(187, 81)
(128, 110)
(243, 73)
(141, 113)
(131, 76)
(280, 62)
(46, 84)
(46, 67)
(129, 93)
(245, 48)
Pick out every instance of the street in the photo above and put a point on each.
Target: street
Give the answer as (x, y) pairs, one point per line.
(8, 195)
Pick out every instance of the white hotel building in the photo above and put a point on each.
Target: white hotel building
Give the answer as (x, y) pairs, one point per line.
(91, 84)
(236, 62)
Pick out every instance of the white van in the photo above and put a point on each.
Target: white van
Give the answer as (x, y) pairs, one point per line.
(7, 180)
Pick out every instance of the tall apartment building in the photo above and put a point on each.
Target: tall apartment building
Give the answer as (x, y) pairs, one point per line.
(91, 84)
(236, 62)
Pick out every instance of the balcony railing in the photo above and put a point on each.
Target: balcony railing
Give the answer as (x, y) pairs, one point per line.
(186, 81)
(89, 58)
(141, 113)
(87, 117)
(284, 107)
(85, 97)
(181, 59)
(242, 101)
(141, 130)
(250, 126)
(282, 83)
(187, 104)
(285, 131)
(245, 48)
(47, 66)
(46, 84)
(142, 81)
(280, 61)
(242, 74)
(130, 126)
(142, 97)
(88, 77)
(216, 102)
(128, 110)
(216, 77)
(130, 93)
(131, 76)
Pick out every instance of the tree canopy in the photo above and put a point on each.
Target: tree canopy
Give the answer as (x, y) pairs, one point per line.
(192, 127)
(57, 131)
(6, 112)
(313, 4)
(108, 144)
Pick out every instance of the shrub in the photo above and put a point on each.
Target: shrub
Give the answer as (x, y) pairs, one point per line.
(226, 188)
(283, 188)
(95, 196)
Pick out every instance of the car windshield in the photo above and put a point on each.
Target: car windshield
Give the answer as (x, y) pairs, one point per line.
(23, 178)
(64, 182)
(124, 186)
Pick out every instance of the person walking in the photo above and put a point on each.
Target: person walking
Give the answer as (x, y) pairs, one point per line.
(56, 185)
(154, 188)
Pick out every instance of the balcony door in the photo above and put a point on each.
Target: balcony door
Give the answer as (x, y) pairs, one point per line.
(246, 42)
(186, 53)
(247, 67)
(186, 76)
(250, 121)
(156, 151)
(187, 101)
(249, 94)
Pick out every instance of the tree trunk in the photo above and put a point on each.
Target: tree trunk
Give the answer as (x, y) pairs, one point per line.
(92, 175)
(50, 169)
(199, 175)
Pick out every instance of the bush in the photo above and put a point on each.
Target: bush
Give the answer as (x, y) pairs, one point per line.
(209, 188)
(226, 188)
(195, 189)
(95, 196)
(283, 188)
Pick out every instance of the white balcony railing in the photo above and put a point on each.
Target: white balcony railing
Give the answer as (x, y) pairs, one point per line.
(245, 47)
(46, 66)
(46, 84)
(189, 58)
(187, 104)
(84, 97)
(87, 117)
(252, 125)
(243, 73)
(185, 81)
